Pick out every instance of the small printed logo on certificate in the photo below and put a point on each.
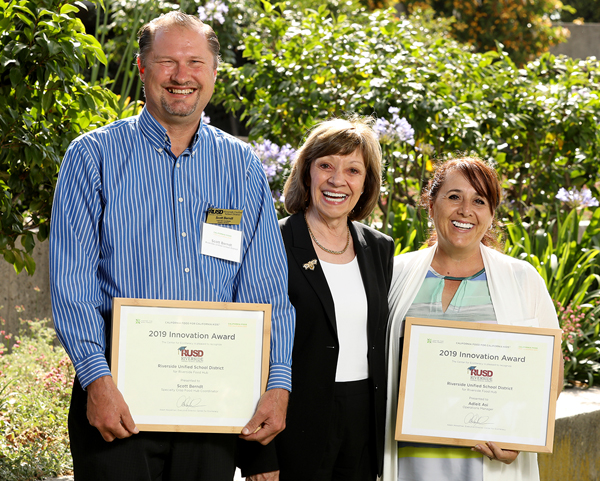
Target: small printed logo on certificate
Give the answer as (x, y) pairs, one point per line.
(221, 242)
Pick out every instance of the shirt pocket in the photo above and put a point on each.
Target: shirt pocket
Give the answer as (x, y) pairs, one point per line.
(220, 273)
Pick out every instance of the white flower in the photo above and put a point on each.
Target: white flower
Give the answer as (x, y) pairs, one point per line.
(575, 198)
(213, 11)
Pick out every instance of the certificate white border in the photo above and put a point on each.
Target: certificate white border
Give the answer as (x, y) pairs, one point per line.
(407, 407)
(258, 314)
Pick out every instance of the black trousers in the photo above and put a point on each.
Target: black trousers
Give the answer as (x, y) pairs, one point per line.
(350, 452)
(147, 456)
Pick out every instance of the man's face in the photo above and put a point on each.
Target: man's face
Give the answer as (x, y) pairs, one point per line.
(179, 76)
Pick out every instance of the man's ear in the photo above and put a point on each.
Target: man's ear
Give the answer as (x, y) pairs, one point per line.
(140, 68)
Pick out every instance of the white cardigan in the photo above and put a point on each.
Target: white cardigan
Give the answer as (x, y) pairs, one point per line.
(519, 297)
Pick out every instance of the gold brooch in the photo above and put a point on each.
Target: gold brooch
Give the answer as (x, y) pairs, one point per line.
(310, 265)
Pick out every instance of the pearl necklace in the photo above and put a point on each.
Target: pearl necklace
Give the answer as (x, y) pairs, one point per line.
(337, 253)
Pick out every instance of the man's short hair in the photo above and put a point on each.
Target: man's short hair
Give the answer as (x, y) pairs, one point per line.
(176, 18)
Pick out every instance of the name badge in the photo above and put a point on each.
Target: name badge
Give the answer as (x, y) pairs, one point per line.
(221, 242)
(224, 216)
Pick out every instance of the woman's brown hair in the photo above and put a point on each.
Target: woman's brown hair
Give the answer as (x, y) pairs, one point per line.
(482, 177)
(336, 137)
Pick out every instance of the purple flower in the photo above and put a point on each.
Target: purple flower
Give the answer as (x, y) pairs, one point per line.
(274, 158)
(398, 130)
(213, 11)
(577, 199)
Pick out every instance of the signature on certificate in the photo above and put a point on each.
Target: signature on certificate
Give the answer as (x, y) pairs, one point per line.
(473, 418)
(188, 402)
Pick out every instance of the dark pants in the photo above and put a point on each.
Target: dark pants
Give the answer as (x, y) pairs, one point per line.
(350, 452)
(147, 456)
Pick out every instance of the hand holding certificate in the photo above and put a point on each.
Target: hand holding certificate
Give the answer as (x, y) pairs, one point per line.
(190, 366)
(465, 383)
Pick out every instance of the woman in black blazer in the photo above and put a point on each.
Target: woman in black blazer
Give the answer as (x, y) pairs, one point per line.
(339, 275)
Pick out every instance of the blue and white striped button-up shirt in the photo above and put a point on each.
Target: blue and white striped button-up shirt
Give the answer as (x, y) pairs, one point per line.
(126, 222)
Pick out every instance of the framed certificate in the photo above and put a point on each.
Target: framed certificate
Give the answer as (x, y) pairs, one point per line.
(190, 366)
(465, 383)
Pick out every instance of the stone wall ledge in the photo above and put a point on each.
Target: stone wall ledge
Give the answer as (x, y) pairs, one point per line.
(576, 454)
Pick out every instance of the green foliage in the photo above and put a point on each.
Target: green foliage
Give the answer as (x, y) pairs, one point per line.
(538, 123)
(405, 167)
(302, 67)
(588, 10)
(410, 228)
(118, 21)
(523, 27)
(548, 129)
(581, 341)
(570, 267)
(35, 381)
(44, 104)
(550, 243)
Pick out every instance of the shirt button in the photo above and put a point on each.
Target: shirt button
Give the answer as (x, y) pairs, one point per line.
(160, 151)
(187, 269)
(183, 234)
(180, 199)
(177, 165)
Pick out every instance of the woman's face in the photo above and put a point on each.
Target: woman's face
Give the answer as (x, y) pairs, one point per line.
(336, 183)
(461, 216)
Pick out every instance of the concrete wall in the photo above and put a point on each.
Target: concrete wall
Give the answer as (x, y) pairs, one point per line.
(584, 41)
(576, 455)
(32, 292)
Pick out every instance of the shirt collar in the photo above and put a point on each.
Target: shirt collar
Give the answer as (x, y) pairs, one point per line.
(157, 134)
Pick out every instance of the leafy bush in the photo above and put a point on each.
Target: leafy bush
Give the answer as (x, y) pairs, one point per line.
(44, 104)
(538, 123)
(588, 10)
(277, 162)
(569, 262)
(409, 228)
(581, 341)
(35, 387)
(524, 28)
(118, 21)
(569, 266)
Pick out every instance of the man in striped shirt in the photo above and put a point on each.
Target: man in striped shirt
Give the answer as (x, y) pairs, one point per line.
(127, 218)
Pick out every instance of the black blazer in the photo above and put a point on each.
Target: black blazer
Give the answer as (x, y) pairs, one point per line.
(300, 446)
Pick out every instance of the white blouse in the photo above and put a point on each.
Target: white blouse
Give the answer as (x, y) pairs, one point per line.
(350, 300)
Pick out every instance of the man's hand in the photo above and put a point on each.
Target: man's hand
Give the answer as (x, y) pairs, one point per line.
(269, 418)
(107, 411)
(271, 476)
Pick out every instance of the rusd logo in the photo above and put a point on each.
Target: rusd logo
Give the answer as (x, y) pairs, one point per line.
(190, 352)
(480, 372)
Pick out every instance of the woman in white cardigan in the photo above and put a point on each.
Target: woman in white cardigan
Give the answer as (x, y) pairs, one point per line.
(461, 277)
